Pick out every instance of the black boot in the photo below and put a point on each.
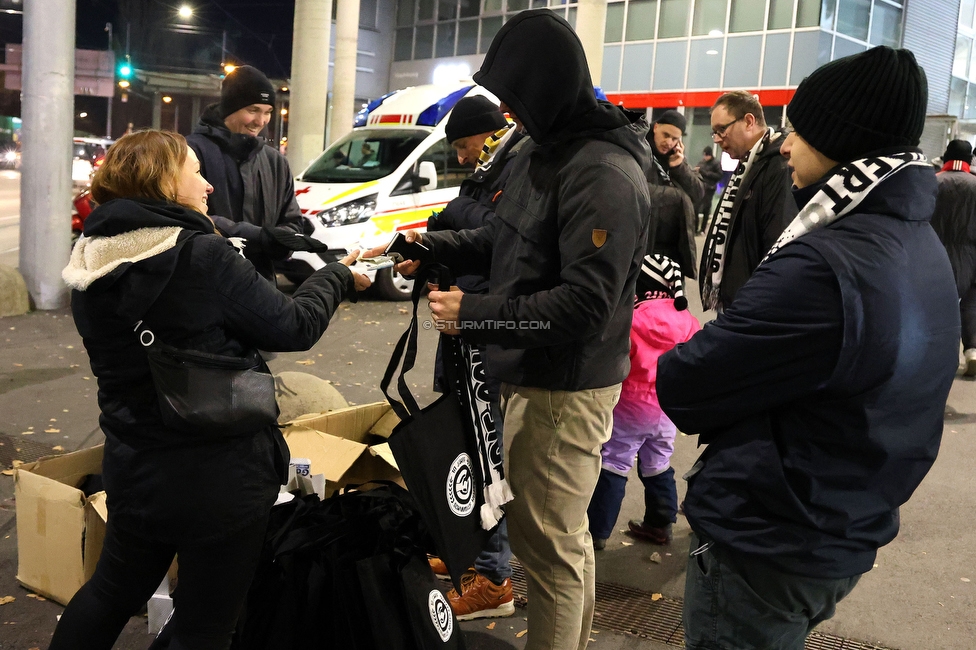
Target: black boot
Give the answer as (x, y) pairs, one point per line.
(660, 508)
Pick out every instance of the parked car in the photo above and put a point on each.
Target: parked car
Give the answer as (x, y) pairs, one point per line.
(81, 206)
(87, 155)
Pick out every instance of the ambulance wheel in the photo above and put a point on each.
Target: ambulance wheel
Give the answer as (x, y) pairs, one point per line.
(390, 285)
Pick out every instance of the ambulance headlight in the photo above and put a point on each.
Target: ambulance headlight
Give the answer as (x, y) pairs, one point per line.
(348, 213)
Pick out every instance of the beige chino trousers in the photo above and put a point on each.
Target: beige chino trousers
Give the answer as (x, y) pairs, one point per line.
(552, 459)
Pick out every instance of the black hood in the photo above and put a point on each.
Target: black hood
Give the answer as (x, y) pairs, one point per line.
(536, 65)
(125, 215)
(238, 146)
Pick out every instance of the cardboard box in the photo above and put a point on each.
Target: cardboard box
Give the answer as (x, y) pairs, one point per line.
(347, 445)
(59, 530)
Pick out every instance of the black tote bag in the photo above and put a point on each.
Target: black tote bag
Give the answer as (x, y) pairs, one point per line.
(437, 452)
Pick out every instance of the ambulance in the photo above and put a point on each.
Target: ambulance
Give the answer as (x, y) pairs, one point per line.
(389, 174)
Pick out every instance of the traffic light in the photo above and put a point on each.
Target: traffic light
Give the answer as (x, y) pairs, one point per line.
(125, 71)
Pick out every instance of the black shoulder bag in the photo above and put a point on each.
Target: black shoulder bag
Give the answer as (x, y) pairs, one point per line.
(200, 392)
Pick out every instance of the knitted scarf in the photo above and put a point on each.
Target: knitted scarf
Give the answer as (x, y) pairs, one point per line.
(713, 260)
(843, 192)
(493, 142)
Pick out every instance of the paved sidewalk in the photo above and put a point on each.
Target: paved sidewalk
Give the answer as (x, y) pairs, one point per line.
(921, 596)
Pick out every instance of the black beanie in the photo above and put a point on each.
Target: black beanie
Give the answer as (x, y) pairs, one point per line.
(243, 87)
(473, 115)
(861, 103)
(958, 150)
(674, 118)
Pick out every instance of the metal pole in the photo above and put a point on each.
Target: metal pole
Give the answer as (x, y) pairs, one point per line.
(45, 185)
(157, 111)
(344, 82)
(309, 81)
(194, 112)
(108, 119)
(176, 117)
(591, 23)
(128, 33)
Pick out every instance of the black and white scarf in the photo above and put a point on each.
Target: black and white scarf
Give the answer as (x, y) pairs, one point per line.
(496, 492)
(843, 192)
(713, 260)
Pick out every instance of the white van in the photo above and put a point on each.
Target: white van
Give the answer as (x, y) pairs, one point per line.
(390, 173)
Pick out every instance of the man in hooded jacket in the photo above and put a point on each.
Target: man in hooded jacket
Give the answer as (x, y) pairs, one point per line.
(564, 260)
(254, 192)
(820, 391)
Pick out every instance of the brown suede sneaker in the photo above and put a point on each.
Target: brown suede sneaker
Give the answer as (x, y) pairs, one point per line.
(481, 598)
(438, 567)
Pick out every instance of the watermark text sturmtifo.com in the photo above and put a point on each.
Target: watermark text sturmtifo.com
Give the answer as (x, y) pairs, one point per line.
(487, 325)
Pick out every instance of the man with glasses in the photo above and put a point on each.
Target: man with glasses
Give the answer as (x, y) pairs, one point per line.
(757, 203)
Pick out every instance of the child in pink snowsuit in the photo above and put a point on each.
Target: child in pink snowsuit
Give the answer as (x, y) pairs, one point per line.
(641, 430)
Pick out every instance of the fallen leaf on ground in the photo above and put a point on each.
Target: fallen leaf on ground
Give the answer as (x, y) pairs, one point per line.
(7, 472)
(7, 599)
(18, 365)
(70, 347)
(965, 579)
(52, 430)
(16, 463)
(306, 362)
(656, 596)
(26, 433)
(86, 378)
(627, 543)
(490, 626)
(656, 557)
(36, 597)
(519, 635)
(57, 448)
(403, 311)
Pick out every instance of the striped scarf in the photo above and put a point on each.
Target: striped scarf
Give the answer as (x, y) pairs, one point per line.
(713, 260)
(493, 142)
(843, 192)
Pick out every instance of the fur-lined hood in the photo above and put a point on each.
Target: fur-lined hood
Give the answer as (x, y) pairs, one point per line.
(136, 241)
(95, 258)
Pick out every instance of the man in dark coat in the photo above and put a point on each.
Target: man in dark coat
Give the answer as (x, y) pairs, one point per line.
(710, 170)
(820, 391)
(757, 203)
(955, 224)
(254, 191)
(564, 251)
(484, 139)
(675, 190)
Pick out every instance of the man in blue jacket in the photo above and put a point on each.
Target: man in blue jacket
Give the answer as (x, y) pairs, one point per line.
(820, 390)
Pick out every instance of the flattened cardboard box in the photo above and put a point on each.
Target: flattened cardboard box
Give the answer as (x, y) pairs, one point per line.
(59, 530)
(347, 445)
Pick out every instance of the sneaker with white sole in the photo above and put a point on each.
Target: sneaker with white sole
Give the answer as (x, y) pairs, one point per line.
(970, 356)
(481, 598)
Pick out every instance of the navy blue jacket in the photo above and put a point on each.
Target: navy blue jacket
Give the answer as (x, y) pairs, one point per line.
(821, 390)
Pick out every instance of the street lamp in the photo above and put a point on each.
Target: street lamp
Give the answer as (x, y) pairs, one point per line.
(230, 67)
(185, 12)
(167, 99)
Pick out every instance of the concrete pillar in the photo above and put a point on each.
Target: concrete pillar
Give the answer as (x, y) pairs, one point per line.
(45, 185)
(157, 108)
(309, 81)
(591, 24)
(344, 82)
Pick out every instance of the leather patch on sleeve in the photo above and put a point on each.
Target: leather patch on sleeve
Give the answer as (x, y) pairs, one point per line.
(599, 237)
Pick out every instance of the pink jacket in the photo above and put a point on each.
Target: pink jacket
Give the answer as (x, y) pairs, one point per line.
(657, 328)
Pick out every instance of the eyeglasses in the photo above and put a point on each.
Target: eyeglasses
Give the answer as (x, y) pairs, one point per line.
(719, 133)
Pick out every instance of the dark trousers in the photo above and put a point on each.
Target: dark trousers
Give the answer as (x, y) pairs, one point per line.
(213, 583)
(967, 309)
(733, 600)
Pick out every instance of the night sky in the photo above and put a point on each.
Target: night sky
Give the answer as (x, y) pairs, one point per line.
(258, 33)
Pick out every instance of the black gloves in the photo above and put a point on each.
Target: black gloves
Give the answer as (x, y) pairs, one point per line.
(289, 240)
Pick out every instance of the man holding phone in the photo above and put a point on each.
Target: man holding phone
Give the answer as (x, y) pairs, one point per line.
(675, 190)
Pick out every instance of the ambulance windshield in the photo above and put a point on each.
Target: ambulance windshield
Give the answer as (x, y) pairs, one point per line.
(364, 155)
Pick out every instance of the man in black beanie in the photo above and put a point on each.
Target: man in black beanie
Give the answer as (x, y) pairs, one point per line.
(564, 253)
(710, 170)
(483, 139)
(955, 224)
(254, 191)
(675, 190)
(820, 391)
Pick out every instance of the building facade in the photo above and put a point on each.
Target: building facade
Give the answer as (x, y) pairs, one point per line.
(663, 54)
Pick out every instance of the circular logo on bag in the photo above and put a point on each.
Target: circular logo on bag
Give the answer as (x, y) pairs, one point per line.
(440, 614)
(460, 486)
